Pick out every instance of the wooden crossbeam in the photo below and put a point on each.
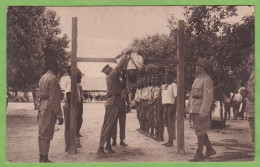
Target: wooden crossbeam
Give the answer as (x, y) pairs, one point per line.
(160, 61)
(113, 60)
(91, 59)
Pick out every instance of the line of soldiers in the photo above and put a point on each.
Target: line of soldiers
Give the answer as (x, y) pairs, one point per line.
(156, 106)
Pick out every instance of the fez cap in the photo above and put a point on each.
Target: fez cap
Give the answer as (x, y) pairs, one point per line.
(104, 68)
(204, 63)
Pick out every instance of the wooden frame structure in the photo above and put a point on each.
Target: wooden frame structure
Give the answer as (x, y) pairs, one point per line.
(180, 84)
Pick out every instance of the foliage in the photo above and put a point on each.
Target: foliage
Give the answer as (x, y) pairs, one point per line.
(226, 45)
(32, 35)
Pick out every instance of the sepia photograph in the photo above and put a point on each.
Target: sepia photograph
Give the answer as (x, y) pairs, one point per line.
(130, 84)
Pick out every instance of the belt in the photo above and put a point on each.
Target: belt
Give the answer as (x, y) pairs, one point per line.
(197, 97)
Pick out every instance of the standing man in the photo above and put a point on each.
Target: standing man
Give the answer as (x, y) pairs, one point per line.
(49, 108)
(122, 121)
(158, 115)
(151, 107)
(67, 110)
(199, 104)
(250, 106)
(113, 104)
(138, 103)
(169, 94)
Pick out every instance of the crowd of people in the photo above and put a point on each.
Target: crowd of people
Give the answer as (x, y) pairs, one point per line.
(155, 101)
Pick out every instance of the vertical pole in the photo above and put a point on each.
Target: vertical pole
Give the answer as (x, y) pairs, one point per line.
(180, 89)
(73, 102)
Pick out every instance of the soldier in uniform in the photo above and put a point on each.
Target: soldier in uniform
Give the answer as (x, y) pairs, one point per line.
(169, 94)
(142, 106)
(122, 121)
(113, 105)
(49, 108)
(199, 104)
(250, 106)
(145, 95)
(138, 103)
(67, 110)
(157, 107)
(151, 107)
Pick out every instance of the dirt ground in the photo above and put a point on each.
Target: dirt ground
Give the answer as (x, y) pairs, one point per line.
(232, 143)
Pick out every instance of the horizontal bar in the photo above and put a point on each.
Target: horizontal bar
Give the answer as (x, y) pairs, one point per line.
(160, 61)
(113, 60)
(89, 59)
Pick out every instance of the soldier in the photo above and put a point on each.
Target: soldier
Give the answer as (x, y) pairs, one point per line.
(122, 121)
(145, 95)
(67, 110)
(169, 94)
(157, 108)
(151, 107)
(113, 105)
(142, 106)
(49, 108)
(250, 106)
(138, 103)
(199, 104)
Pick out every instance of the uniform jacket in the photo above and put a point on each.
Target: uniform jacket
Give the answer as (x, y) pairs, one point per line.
(49, 92)
(201, 97)
(250, 106)
(113, 84)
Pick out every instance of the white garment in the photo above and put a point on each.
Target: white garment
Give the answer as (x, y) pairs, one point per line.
(156, 92)
(169, 93)
(137, 95)
(145, 93)
(68, 89)
(237, 97)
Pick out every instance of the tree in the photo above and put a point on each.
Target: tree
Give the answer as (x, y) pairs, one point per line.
(32, 35)
(226, 45)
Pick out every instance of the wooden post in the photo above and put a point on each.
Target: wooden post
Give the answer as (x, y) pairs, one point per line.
(180, 89)
(73, 102)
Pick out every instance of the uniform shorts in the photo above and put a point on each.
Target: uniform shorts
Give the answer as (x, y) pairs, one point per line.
(200, 124)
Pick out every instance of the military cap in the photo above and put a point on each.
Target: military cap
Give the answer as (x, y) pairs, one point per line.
(204, 63)
(104, 68)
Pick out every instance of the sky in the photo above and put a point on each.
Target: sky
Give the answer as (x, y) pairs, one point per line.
(105, 31)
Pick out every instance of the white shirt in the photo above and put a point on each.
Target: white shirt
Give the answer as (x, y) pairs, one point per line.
(137, 95)
(169, 93)
(68, 89)
(156, 92)
(145, 93)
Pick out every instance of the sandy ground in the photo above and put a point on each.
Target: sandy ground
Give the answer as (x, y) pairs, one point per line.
(232, 144)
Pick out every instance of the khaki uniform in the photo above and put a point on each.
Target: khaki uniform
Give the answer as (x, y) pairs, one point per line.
(151, 109)
(145, 108)
(67, 113)
(142, 107)
(114, 103)
(250, 106)
(200, 101)
(157, 106)
(122, 120)
(138, 104)
(49, 109)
